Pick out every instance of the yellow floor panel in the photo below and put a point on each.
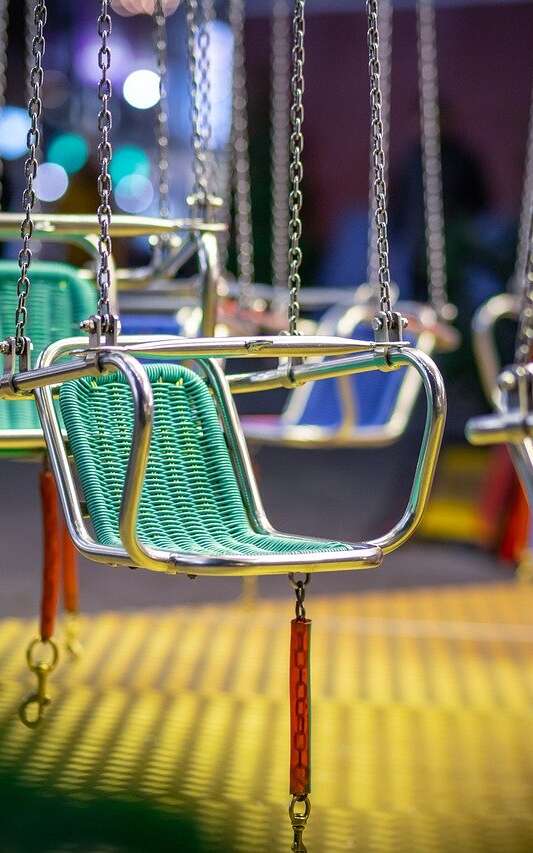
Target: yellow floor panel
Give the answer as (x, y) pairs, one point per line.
(422, 722)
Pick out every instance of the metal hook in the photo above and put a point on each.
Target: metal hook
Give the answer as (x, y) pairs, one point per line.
(299, 822)
(40, 698)
(72, 641)
(42, 669)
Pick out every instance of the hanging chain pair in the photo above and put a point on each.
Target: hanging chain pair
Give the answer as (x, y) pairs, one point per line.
(35, 108)
(240, 167)
(198, 41)
(162, 121)
(431, 158)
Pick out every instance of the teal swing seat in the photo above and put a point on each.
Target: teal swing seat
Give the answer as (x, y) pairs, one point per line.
(60, 299)
(191, 500)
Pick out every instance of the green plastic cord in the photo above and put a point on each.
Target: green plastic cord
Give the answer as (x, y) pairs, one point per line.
(58, 301)
(191, 502)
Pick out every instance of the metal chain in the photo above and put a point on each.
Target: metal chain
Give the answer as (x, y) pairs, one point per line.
(378, 158)
(525, 209)
(296, 144)
(299, 587)
(279, 160)
(198, 60)
(162, 128)
(241, 155)
(35, 108)
(524, 338)
(431, 156)
(385, 60)
(105, 152)
(4, 19)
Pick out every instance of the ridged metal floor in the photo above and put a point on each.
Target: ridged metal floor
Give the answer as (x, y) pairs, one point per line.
(171, 733)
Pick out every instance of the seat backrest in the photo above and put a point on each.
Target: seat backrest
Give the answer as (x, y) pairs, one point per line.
(190, 482)
(59, 299)
(374, 394)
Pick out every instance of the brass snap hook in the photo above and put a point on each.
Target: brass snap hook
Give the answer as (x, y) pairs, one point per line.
(32, 709)
(299, 822)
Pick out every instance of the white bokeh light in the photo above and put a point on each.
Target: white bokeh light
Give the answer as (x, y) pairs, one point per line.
(51, 182)
(134, 193)
(141, 89)
(14, 126)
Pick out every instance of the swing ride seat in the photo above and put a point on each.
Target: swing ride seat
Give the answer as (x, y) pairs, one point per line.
(191, 500)
(60, 299)
(151, 461)
(354, 410)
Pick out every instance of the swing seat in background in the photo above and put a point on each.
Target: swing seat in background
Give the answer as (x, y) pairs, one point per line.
(192, 501)
(60, 300)
(360, 409)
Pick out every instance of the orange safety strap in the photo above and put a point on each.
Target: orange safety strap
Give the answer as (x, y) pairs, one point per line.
(51, 576)
(71, 595)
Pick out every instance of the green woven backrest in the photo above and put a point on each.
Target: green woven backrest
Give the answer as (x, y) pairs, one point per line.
(59, 299)
(191, 501)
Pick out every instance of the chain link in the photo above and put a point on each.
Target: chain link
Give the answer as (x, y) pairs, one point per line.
(35, 108)
(431, 155)
(525, 209)
(105, 153)
(162, 128)
(299, 587)
(378, 158)
(279, 161)
(385, 59)
(198, 59)
(241, 155)
(296, 144)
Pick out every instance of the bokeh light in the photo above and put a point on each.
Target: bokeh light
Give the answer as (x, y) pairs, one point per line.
(51, 182)
(129, 160)
(69, 150)
(134, 193)
(14, 126)
(141, 89)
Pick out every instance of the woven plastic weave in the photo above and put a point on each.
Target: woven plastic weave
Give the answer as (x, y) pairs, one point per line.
(58, 301)
(191, 502)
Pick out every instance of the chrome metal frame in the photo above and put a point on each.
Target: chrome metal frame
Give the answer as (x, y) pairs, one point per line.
(512, 423)
(288, 431)
(365, 555)
(500, 307)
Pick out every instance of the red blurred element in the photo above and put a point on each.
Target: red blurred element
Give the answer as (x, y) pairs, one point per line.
(51, 554)
(300, 691)
(70, 574)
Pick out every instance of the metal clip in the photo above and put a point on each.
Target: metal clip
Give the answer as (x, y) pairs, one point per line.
(72, 640)
(204, 206)
(8, 349)
(388, 327)
(40, 699)
(299, 822)
(99, 327)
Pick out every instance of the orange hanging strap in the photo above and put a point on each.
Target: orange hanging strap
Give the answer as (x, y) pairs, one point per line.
(300, 717)
(71, 597)
(51, 554)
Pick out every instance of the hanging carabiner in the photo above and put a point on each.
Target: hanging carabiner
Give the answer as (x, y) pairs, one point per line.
(40, 699)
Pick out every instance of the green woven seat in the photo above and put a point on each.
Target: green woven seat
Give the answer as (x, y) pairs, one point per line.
(59, 300)
(191, 502)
